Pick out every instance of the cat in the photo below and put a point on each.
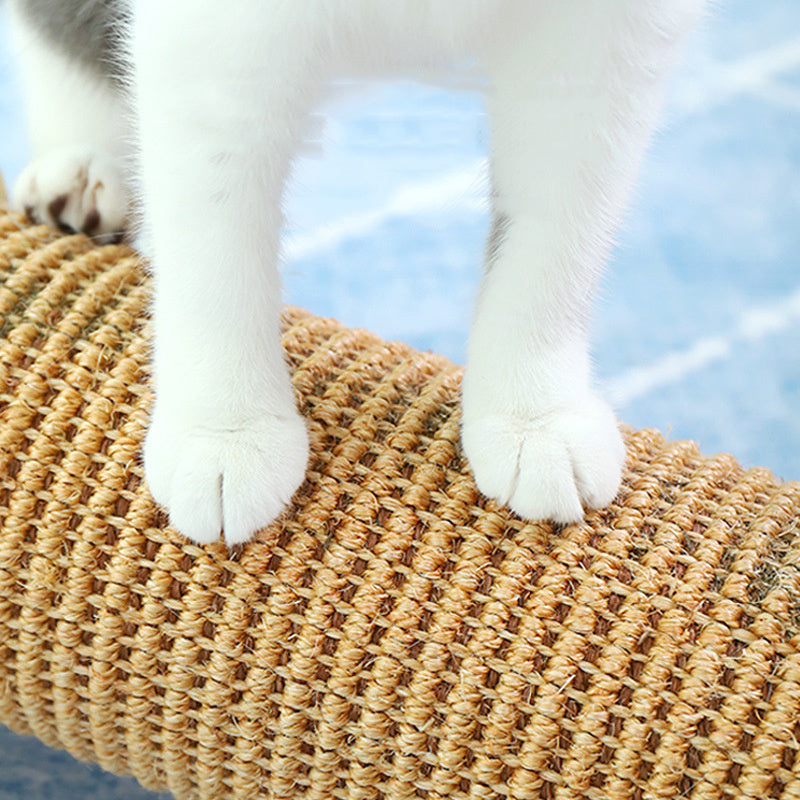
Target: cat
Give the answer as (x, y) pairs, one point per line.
(211, 101)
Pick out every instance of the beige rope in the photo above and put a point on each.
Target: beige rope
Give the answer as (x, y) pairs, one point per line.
(395, 635)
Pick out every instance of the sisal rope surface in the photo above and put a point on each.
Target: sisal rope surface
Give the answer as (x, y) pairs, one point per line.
(395, 635)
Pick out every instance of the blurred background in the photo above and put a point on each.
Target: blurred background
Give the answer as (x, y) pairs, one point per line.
(697, 329)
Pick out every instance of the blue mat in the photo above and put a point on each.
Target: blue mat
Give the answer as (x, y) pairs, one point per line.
(697, 331)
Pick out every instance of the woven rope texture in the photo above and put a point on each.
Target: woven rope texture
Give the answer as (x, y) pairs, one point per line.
(395, 635)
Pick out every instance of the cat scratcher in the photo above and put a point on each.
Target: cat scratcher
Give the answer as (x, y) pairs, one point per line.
(395, 635)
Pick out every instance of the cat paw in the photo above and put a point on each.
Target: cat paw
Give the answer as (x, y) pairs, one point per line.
(74, 189)
(231, 481)
(550, 466)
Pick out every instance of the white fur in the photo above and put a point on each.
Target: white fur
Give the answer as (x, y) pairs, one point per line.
(79, 137)
(222, 97)
(90, 182)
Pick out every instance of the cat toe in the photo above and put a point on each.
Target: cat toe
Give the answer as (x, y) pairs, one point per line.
(76, 190)
(230, 482)
(551, 466)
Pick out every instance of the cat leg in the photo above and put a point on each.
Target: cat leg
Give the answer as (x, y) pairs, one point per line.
(79, 140)
(571, 107)
(226, 448)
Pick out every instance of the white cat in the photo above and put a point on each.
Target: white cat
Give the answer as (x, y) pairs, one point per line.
(220, 95)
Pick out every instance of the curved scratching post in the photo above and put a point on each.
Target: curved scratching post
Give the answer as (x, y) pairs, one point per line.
(395, 636)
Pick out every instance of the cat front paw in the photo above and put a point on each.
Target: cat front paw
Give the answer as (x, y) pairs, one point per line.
(230, 481)
(75, 189)
(549, 466)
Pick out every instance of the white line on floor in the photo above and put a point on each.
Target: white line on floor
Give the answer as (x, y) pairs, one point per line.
(752, 325)
(718, 83)
(464, 188)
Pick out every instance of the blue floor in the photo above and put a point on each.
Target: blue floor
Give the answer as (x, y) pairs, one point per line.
(697, 331)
